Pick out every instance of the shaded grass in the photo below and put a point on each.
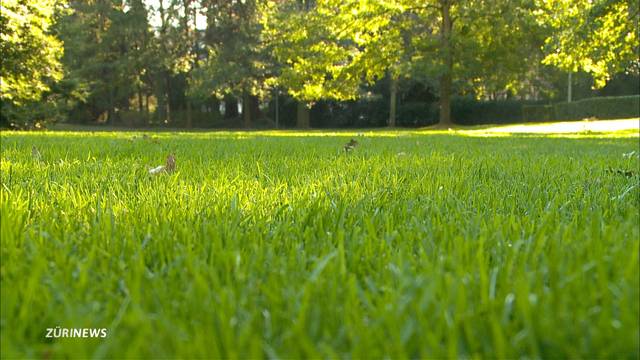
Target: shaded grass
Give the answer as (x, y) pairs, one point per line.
(272, 245)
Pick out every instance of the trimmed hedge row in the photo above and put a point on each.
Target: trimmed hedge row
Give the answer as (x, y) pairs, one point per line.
(375, 112)
(464, 111)
(610, 107)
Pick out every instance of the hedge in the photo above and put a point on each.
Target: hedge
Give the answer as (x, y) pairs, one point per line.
(609, 107)
(464, 111)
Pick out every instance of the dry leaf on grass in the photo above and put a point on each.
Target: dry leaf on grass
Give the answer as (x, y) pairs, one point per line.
(36, 154)
(168, 167)
(350, 145)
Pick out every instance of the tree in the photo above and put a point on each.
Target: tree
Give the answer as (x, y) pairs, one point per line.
(327, 49)
(107, 57)
(600, 37)
(236, 64)
(477, 47)
(139, 54)
(31, 53)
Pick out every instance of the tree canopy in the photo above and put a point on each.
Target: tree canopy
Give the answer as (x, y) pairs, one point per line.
(220, 63)
(598, 37)
(30, 52)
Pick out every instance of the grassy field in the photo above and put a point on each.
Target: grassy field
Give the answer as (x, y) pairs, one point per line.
(282, 245)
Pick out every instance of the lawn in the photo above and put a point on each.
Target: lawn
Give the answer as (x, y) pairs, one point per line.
(426, 244)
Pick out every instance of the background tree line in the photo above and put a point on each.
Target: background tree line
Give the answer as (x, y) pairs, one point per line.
(320, 63)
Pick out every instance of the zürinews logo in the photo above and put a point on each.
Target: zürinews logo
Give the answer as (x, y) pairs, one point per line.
(58, 332)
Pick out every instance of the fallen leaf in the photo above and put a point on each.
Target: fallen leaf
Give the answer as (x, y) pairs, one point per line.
(36, 154)
(171, 163)
(623, 172)
(350, 145)
(156, 170)
(168, 167)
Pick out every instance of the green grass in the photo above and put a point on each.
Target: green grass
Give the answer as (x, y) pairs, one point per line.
(280, 245)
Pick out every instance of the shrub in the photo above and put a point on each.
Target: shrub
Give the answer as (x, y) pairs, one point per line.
(31, 114)
(610, 107)
(417, 114)
(537, 113)
(606, 107)
(468, 111)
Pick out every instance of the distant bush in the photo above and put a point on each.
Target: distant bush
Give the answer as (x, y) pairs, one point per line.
(609, 107)
(375, 112)
(468, 111)
(31, 115)
(417, 114)
(537, 113)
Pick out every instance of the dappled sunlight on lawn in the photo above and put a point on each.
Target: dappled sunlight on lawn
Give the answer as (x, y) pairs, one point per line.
(621, 128)
(597, 128)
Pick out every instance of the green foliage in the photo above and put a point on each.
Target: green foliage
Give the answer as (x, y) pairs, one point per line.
(117, 63)
(236, 61)
(599, 37)
(30, 53)
(32, 114)
(327, 49)
(496, 47)
(278, 245)
(30, 65)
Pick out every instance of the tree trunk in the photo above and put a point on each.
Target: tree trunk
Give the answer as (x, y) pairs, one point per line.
(110, 113)
(393, 95)
(445, 78)
(146, 110)
(230, 107)
(161, 106)
(277, 109)
(140, 104)
(254, 102)
(303, 121)
(246, 110)
(569, 89)
(187, 17)
(189, 123)
(168, 89)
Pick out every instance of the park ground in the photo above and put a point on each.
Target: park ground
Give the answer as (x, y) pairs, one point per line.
(490, 242)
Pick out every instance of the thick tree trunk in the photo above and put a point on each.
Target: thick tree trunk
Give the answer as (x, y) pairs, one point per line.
(303, 121)
(230, 107)
(393, 95)
(445, 78)
(246, 110)
(254, 102)
(161, 107)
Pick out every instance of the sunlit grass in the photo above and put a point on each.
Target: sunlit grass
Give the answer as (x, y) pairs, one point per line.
(587, 128)
(621, 128)
(419, 243)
